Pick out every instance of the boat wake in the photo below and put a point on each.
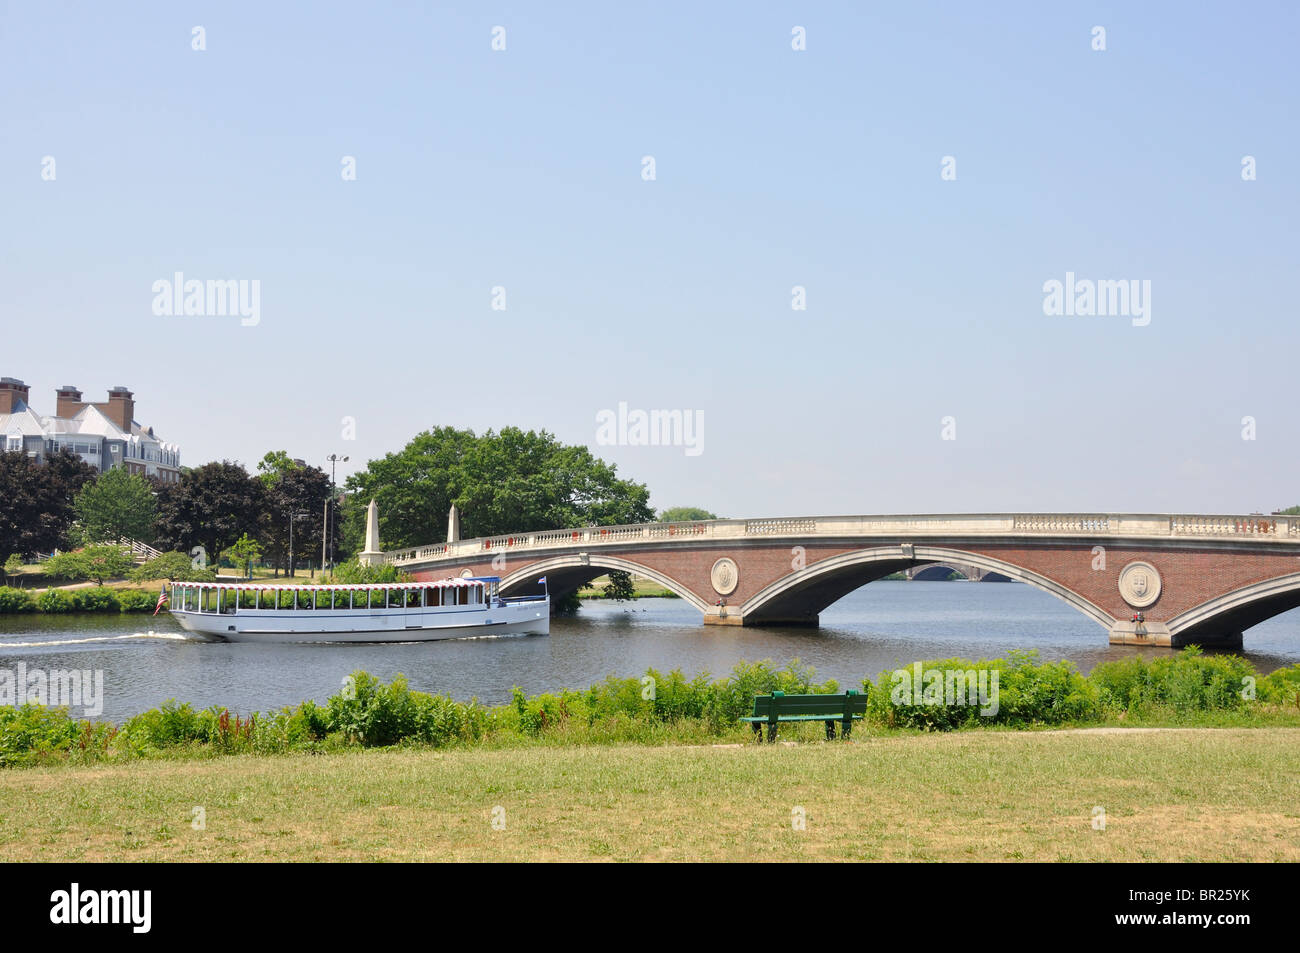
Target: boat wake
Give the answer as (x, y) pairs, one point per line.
(166, 636)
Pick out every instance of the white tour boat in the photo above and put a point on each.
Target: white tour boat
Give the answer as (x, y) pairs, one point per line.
(376, 612)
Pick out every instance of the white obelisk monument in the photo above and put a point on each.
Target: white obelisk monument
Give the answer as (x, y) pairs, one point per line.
(371, 555)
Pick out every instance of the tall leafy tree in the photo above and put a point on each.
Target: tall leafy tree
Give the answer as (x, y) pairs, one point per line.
(685, 514)
(502, 482)
(36, 500)
(291, 490)
(114, 505)
(275, 464)
(211, 506)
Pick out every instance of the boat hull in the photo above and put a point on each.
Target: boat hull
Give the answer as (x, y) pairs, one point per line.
(411, 625)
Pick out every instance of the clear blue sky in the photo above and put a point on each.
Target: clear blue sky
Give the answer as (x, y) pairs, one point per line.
(775, 168)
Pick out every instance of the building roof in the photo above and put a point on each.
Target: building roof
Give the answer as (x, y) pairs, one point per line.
(22, 421)
(90, 421)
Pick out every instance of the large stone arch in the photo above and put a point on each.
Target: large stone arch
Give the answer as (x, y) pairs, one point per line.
(1225, 617)
(566, 573)
(800, 596)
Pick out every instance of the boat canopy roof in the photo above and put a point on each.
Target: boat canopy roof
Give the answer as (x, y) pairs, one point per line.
(431, 584)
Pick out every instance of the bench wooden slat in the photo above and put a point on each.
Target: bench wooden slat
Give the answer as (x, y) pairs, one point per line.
(778, 707)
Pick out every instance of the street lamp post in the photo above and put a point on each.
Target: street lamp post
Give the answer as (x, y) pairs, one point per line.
(330, 520)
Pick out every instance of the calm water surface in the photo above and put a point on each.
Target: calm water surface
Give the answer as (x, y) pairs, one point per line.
(881, 626)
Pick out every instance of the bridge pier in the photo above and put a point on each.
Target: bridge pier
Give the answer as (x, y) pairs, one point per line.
(723, 615)
(1157, 633)
(1140, 633)
(731, 615)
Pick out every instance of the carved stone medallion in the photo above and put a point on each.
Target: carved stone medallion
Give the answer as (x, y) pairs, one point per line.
(1139, 584)
(725, 576)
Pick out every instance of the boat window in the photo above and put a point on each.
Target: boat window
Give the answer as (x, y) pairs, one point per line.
(284, 600)
(229, 599)
(324, 600)
(432, 597)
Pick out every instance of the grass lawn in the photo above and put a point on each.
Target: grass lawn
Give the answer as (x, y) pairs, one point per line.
(1173, 795)
(642, 588)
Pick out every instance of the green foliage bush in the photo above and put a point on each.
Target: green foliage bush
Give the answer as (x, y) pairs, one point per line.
(98, 562)
(1182, 683)
(1281, 687)
(352, 572)
(136, 600)
(35, 733)
(377, 714)
(95, 599)
(98, 599)
(176, 567)
(1028, 694)
(58, 600)
(169, 725)
(16, 600)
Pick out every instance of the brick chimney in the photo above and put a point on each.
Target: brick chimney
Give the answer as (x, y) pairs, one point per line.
(120, 408)
(68, 402)
(13, 393)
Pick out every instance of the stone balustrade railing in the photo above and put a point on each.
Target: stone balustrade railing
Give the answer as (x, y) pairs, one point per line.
(1091, 525)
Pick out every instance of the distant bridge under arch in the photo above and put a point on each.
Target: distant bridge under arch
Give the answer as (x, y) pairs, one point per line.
(940, 572)
(1146, 579)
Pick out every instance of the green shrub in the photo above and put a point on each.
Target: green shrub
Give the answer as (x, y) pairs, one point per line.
(57, 600)
(1017, 691)
(352, 572)
(1281, 687)
(176, 567)
(1183, 683)
(136, 600)
(99, 599)
(35, 733)
(16, 600)
(169, 725)
(375, 714)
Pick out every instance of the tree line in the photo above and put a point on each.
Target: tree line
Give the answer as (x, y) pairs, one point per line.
(65, 503)
(505, 481)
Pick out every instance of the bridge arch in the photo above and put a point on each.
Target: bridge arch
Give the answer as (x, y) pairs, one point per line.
(566, 573)
(800, 596)
(1233, 612)
(936, 572)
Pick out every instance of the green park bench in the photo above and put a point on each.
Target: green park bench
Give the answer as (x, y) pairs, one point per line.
(777, 707)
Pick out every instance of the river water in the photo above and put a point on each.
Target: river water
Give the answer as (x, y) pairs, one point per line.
(881, 626)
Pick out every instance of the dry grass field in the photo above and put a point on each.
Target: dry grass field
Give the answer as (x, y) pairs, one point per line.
(1168, 795)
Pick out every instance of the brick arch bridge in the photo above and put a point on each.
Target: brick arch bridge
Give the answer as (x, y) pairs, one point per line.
(1194, 578)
